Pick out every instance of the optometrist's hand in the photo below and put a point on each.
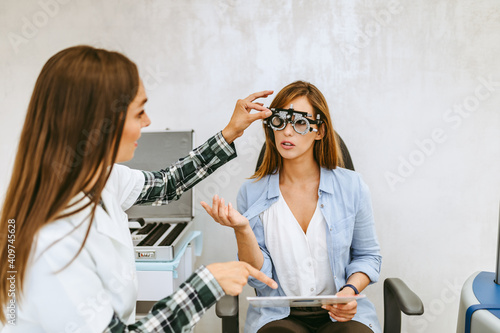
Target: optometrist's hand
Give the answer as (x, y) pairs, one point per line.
(343, 312)
(233, 276)
(242, 118)
(226, 215)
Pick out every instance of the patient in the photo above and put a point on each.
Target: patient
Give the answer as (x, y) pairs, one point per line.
(305, 221)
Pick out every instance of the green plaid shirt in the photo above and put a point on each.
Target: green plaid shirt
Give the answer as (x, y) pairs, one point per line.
(180, 311)
(164, 186)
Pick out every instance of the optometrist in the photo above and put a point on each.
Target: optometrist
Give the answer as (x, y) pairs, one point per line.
(66, 255)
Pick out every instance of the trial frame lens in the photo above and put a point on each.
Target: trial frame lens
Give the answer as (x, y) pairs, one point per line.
(281, 117)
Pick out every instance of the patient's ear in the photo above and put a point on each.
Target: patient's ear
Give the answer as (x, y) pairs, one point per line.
(321, 132)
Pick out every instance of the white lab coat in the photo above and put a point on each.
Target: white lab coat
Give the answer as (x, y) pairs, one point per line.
(99, 282)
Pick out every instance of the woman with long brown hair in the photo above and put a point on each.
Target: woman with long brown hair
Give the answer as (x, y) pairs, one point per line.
(66, 254)
(305, 221)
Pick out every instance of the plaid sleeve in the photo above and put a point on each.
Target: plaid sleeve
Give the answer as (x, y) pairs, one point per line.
(161, 187)
(180, 311)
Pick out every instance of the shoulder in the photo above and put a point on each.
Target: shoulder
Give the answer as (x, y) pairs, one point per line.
(121, 174)
(250, 192)
(345, 173)
(253, 188)
(344, 184)
(344, 177)
(255, 185)
(126, 184)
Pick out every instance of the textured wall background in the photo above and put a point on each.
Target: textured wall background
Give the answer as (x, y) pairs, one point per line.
(414, 89)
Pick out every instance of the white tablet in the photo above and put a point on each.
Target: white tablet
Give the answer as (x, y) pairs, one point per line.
(300, 301)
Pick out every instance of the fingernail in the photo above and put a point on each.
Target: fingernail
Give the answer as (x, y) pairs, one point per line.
(323, 307)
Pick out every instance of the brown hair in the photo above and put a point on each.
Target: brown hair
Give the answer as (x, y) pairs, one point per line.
(327, 151)
(68, 145)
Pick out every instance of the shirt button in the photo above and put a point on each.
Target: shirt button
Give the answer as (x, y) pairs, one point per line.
(322, 206)
(312, 289)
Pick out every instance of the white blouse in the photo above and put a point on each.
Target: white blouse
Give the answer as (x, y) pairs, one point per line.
(301, 260)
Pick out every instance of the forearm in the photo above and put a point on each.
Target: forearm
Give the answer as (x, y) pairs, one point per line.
(345, 312)
(359, 280)
(248, 248)
(230, 135)
(163, 186)
(178, 312)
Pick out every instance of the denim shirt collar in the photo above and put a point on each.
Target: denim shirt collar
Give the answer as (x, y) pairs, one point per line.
(326, 181)
(273, 191)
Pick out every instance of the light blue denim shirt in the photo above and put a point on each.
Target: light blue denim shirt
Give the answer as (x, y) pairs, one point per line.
(352, 244)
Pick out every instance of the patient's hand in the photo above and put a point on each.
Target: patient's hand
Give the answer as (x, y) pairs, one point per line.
(343, 312)
(226, 215)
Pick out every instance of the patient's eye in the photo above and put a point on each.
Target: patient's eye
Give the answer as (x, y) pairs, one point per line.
(301, 125)
(277, 121)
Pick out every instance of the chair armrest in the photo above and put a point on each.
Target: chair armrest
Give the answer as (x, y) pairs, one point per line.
(399, 298)
(227, 306)
(227, 309)
(408, 302)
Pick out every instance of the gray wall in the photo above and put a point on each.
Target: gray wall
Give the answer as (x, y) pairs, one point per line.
(413, 86)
